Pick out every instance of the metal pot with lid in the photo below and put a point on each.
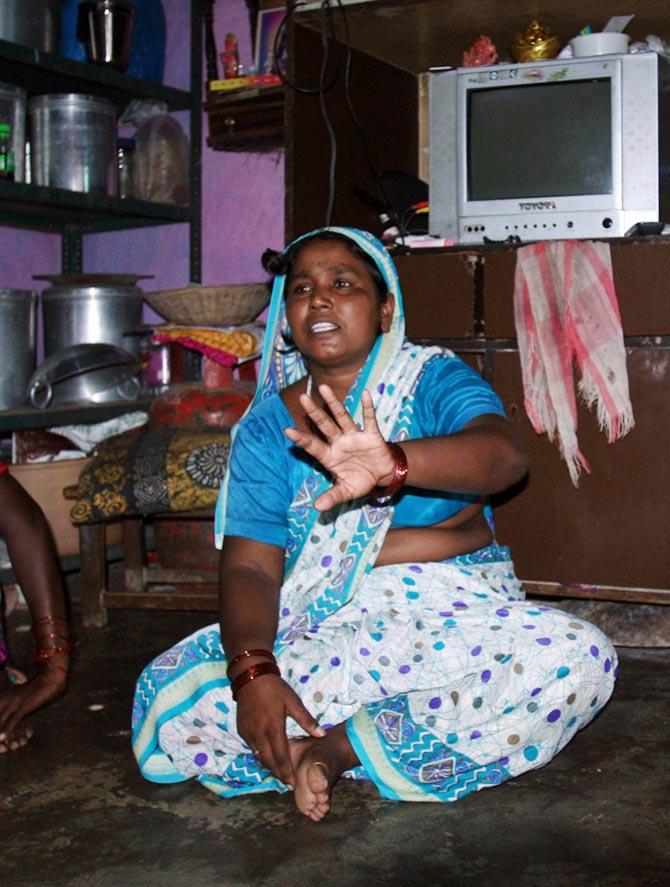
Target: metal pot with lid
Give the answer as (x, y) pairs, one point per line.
(74, 314)
(17, 344)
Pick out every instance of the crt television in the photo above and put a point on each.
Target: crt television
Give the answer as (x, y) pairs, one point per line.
(566, 148)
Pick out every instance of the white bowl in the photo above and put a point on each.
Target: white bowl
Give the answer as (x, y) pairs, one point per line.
(602, 43)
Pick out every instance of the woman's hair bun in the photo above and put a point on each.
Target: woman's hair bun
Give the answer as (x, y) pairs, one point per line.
(274, 262)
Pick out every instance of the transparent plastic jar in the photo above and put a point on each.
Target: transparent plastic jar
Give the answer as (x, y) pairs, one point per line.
(6, 152)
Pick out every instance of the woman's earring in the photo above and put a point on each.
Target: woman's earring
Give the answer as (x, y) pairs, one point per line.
(287, 338)
(286, 333)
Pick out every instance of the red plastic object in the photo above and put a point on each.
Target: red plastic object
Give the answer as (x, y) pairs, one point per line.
(194, 406)
(482, 52)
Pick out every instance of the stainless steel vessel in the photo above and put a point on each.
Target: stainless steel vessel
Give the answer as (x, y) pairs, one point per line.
(73, 142)
(85, 373)
(73, 315)
(17, 344)
(107, 27)
(34, 23)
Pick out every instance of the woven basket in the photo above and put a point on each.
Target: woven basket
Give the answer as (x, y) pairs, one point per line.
(211, 305)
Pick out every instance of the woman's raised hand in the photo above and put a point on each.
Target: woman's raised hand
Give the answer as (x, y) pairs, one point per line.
(357, 458)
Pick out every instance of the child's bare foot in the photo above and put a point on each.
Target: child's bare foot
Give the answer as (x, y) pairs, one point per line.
(318, 764)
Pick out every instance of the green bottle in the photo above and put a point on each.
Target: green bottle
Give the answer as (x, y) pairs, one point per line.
(6, 152)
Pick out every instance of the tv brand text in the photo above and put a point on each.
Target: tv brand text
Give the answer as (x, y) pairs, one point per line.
(538, 204)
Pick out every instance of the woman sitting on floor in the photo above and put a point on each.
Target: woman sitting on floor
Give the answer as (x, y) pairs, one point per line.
(369, 623)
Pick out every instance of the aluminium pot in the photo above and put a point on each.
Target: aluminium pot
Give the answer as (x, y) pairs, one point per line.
(34, 23)
(85, 374)
(17, 344)
(74, 315)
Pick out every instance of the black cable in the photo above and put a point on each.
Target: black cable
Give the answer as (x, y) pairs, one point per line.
(283, 76)
(325, 13)
(393, 216)
(328, 32)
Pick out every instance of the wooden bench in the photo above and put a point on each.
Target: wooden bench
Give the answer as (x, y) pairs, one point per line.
(145, 586)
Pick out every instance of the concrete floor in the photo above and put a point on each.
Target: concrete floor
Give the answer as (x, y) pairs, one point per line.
(74, 811)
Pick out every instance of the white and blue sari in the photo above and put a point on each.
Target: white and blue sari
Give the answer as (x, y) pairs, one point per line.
(448, 681)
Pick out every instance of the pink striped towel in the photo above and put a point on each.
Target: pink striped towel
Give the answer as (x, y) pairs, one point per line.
(565, 308)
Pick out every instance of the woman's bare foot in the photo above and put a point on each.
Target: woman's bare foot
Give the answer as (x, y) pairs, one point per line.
(22, 732)
(318, 765)
(18, 738)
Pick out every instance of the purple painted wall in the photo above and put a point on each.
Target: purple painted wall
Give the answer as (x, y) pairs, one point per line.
(242, 194)
(242, 207)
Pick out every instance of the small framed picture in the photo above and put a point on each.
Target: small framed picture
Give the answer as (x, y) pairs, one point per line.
(266, 33)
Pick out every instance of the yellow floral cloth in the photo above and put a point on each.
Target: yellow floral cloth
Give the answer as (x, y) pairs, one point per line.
(150, 471)
(224, 346)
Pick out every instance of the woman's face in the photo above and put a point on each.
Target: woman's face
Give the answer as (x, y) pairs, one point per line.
(333, 307)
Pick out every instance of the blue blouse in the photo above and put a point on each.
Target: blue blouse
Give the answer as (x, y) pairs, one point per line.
(266, 468)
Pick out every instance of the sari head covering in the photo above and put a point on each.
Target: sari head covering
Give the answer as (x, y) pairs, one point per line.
(281, 367)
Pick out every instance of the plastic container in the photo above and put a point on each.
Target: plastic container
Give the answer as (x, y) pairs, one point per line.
(73, 142)
(13, 111)
(125, 151)
(17, 344)
(6, 153)
(600, 43)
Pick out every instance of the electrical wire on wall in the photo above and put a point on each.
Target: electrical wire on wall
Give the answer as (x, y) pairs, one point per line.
(393, 216)
(280, 37)
(327, 80)
(332, 166)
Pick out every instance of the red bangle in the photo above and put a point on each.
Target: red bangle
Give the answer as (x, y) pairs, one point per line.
(42, 654)
(251, 674)
(50, 619)
(399, 475)
(247, 654)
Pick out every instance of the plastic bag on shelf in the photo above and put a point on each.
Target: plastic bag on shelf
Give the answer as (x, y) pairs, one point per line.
(160, 161)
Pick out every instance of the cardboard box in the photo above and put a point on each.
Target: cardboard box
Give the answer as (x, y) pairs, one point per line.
(45, 482)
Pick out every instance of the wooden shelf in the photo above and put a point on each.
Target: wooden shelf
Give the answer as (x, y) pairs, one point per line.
(22, 418)
(43, 72)
(73, 214)
(415, 35)
(56, 209)
(246, 119)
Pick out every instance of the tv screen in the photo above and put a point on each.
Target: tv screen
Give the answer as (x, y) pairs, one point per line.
(563, 130)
